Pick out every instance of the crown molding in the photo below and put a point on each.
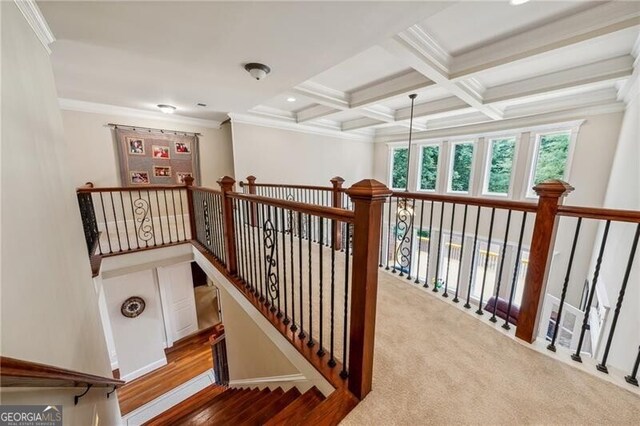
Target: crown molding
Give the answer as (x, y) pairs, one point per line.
(97, 108)
(322, 127)
(38, 24)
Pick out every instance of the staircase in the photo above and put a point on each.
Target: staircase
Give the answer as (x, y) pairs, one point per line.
(218, 405)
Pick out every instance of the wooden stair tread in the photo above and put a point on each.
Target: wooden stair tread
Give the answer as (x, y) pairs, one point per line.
(243, 417)
(332, 410)
(230, 410)
(191, 404)
(210, 409)
(260, 416)
(298, 409)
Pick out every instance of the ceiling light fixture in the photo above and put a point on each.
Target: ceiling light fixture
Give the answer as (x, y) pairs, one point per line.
(167, 109)
(257, 71)
(413, 97)
(291, 99)
(518, 2)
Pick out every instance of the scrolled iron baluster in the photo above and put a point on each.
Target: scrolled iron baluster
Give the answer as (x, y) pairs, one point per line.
(404, 227)
(143, 228)
(269, 236)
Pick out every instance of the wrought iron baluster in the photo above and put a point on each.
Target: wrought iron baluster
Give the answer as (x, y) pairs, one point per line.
(344, 374)
(271, 260)
(159, 216)
(463, 237)
(633, 377)
(310, 343)
(436, 281)
(133, 218)
(332, 361)
(301, 335)
(106, 224)
(264, 280)
(417, 281)
(150, 211)
(293, 327)
(552, 345)
(426, 277)
(390, 201)
(412, 232)
(321, 266)
(404, 227)
(504, 251)
(446, 278)
(516, 269)
(284, 264)
(124, 216)
(486, 262)
(115, 220)
(184, 228)
(603, 365)
(585, 322)
(175, 213)
(473, 259)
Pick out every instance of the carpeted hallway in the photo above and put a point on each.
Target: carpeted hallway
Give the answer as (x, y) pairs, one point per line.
(437, 365)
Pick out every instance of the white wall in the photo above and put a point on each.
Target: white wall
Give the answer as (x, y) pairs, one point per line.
(286, 156)
(94, 156)
(139, 341)
(49, 305)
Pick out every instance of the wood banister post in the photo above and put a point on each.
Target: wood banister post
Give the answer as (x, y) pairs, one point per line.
(550, 194)
(226, 186)
(336, 201)
(188, 183)
(254, 208)
(368, 197)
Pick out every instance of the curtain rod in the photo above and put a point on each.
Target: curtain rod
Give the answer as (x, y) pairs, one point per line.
(150, 129)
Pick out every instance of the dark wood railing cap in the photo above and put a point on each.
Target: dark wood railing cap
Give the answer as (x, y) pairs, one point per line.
(369, 189)
(226, 183)
(553, 188)
(337, 181)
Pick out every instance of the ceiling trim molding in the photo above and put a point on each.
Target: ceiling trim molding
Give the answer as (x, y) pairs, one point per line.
(534, 120)
(38, 24)
(324, 128)
(97, 108)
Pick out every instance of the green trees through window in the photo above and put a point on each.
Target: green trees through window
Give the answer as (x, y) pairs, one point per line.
(461, 167)
(501, 164)
(553, 150)
(429, 167)
(399, 168)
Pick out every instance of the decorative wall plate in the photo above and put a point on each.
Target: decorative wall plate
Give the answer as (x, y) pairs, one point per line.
(132, 307)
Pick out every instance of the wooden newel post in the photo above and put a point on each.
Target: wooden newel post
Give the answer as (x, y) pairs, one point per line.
(226, 186)
(254, 208)
(336, 201)
(188, 183)
(368, 197)
(550, 195)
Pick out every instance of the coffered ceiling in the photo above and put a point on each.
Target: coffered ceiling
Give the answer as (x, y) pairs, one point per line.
(473, 62)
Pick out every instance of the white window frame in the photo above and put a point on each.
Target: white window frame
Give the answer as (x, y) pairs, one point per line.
(533, 158)
(487, 165)
(452, 151)
(390, 165)
(419, 175)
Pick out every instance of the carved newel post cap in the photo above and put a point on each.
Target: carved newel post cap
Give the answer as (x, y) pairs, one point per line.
(88, 184)
(226, 183)
(369, 189)
(188, 180)
(251, 179)
(553, 188)
(337, 181)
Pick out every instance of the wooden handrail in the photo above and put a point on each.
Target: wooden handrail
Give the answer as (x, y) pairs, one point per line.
(284, 185)
(313, 209)
(600, 213)
(85, 189)
(19, 373)
(470, 201)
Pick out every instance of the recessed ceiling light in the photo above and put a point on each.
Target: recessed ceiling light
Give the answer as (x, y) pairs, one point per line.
(291, 99)
(167, 109)
(518, 2)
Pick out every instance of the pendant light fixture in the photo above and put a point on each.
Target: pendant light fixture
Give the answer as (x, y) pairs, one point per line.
(413, 97)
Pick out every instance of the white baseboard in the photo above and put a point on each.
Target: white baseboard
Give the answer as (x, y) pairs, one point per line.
(262, 382)
(144, 370)
(166, 401)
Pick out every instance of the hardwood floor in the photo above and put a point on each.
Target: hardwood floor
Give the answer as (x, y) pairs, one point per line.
(187, 358)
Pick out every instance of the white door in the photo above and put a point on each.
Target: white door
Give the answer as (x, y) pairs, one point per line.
(178, 301)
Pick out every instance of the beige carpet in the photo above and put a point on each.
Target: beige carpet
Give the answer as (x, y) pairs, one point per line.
(435, 364)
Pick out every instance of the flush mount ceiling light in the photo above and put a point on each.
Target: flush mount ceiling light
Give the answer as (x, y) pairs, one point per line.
(518, 2)
(291, 99)
(257, 71)
(167, 109)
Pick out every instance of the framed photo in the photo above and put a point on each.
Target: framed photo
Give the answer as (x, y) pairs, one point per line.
(181, 175)
(182, 147)
(161, 171)
(161, 152)
(139, 178)
(136, 146)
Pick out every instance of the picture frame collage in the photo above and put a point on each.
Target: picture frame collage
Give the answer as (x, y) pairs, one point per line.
(156, 159)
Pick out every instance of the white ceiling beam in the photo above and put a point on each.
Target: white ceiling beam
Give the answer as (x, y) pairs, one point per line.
(439, 106)
(398, 85)
(359, 123)
(597, 72)
(314, 112)
(422, 53)
(323, 95)
(595, 22)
